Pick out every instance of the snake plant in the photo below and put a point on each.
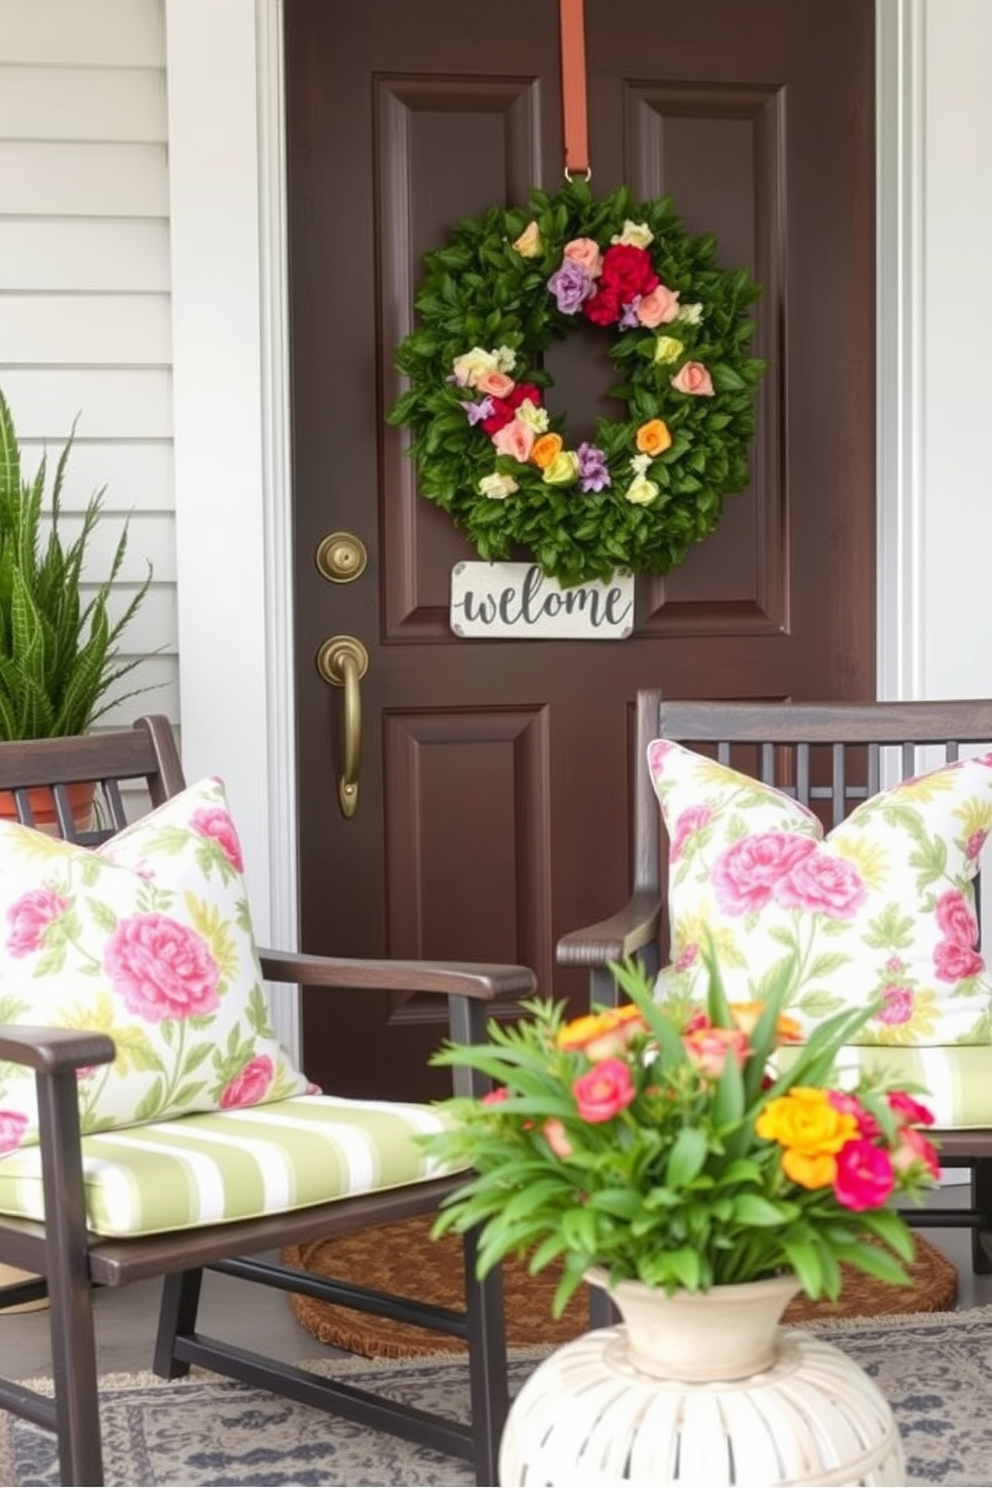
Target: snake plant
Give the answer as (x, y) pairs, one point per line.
(59, 651)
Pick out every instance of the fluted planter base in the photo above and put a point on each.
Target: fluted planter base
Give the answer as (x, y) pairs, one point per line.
(610, 1408)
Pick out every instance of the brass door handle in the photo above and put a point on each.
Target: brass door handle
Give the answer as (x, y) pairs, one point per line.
(343, 661)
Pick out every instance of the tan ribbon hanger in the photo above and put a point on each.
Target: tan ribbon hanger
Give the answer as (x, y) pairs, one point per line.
(573, 88)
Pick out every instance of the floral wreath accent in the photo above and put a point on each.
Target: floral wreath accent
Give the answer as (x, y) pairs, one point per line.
(489, 450)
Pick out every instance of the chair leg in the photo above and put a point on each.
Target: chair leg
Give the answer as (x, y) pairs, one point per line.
(74, 1374)
(177, 1315)
(981, 1199)
(487, 1362)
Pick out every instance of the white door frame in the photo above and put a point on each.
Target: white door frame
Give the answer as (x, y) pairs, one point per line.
(232, 412)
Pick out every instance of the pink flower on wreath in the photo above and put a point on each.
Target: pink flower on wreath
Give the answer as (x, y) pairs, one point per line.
(659, 307)
(955, 919)
(822, 884)
(865, 1176)
(585, 252)
(604, 1090)
(161, 968)
(215, 822)
(515, 438)
(29, 917)
(693, 378)
(692, 820)
(745, 875)
(13, 1125)
(251, 1085)
(953, 962)
(898, 1007)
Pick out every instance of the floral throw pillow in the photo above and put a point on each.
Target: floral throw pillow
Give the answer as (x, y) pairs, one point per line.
(881, 908)
(149, 940)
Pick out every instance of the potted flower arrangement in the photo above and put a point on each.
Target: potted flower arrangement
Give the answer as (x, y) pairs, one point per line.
(672, 1154)
(659, 1143)
(60, 657)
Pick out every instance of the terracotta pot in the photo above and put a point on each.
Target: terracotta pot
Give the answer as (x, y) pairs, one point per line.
(700, 1388)
(43, 805)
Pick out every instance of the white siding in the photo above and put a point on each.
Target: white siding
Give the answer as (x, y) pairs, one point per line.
(85, 323)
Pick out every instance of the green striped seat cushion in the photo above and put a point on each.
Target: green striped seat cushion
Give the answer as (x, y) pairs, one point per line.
(209, 1168)
(956, 1078)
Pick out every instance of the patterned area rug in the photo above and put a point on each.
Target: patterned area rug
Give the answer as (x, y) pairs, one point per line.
(387, 1256)
(934, 1370)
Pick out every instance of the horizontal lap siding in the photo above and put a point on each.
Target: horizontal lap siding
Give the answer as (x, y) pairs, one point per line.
(85, 323)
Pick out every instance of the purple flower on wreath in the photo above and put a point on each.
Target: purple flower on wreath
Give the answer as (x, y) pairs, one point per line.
(571, 286)
(593, 474)
(474, 412)
(629, 318)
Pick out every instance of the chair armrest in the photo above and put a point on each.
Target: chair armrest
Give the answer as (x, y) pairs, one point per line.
(614, 939)
(452, 978)
(52, 1051)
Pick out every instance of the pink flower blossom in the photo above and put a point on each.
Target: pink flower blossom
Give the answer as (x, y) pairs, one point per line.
(29, 917)
(692, 820)
(909, 1110)
(13, 1125)
(898, 1007)
(746, 873)
(251, 1085)
(865, 1176)
(215, 822)
(914, 1148)
(693, 378)
(161, 968)
(710, 1048)
(496, 1097)
(952, 962)
(849, 1105)
(687, 956)
(556, 1137)
(515, 439)
(822, 884)
(955, 918)
(658, 307)
(974, 845)
(604, 1090)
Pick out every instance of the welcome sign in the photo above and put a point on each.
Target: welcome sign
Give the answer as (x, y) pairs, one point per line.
(516, 601)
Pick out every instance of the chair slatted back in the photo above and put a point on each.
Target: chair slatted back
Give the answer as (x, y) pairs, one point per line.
(828, 756)
(38, 777)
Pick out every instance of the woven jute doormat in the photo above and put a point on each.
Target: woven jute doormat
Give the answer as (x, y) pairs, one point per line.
(403, 1258)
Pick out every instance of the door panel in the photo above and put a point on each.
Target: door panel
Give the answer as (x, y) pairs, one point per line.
(494, 793)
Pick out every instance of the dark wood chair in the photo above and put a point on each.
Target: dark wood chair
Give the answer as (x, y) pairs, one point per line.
(829, 756)
(73, 1262)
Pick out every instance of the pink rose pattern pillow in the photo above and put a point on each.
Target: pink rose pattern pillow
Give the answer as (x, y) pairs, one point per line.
(882, 907)
(149, 940)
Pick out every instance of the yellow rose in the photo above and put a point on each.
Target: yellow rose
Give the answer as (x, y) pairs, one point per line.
(534, 417)
(805, 1121)
(668, 349)
(809, 1172)
(474, 364)
(529, 244)
(634, 235)
(563, 470)
(641, 491)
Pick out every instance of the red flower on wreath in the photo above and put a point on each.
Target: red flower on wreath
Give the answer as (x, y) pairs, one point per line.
(627, 273)
(505, 408)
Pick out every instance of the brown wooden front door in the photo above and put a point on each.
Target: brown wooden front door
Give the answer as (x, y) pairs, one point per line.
(493, 797)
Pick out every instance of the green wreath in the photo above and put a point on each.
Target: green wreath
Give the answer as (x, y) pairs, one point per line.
(489, 451)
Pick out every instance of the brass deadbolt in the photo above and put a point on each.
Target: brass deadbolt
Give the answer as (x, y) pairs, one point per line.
(341, 557)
